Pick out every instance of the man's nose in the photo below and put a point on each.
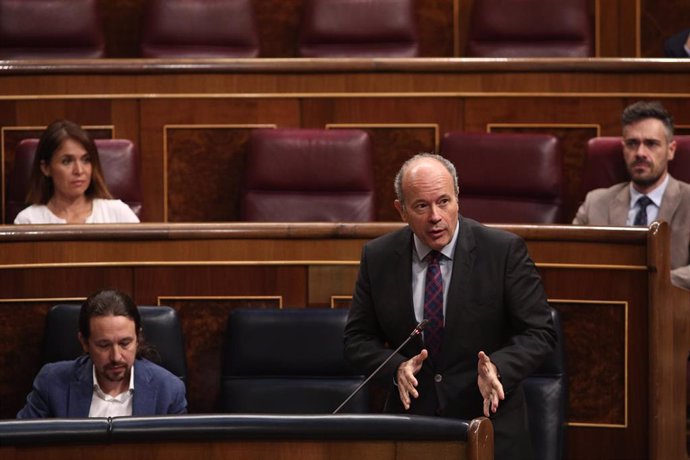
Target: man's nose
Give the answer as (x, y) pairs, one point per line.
(115, 353)
(642, 151)
(434, 215)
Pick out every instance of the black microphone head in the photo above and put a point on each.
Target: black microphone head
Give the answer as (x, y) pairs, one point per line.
(422, 324)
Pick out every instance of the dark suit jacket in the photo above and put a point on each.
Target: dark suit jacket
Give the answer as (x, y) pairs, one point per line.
(496, 303)
(673, 47)
(609, 206)
(65, 389)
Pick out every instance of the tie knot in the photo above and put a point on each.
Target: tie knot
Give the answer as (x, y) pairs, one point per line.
(644, 201)
(433, 257)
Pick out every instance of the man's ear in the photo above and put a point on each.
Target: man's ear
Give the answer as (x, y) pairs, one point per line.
(84, 343)
(401, 210)
(672, 149)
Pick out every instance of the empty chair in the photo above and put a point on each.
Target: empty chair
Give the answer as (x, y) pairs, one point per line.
(680, 166)
(38, 29)
(199, 29)
(507, 178)
(299, 175)
(530, 28)
(359, 28)
(288, 362)
(161, 328)
(605, 166)
(546, 393)
(119, 160)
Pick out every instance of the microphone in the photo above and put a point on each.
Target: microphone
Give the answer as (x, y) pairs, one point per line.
(416, 331)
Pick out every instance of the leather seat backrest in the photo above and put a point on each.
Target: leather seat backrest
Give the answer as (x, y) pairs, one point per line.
(119, 161)
(298, 175)
(507, 178)
(161, 327)
(40, 29)
(530, 28)
(359, 28)
(604, 164)
(288, 361)
(199, 29)
(546, 393)
(679, 167)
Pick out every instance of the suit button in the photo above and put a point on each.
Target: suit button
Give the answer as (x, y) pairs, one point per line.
(438, 378)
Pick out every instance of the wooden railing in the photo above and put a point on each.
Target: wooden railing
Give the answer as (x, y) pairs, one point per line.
(626, 327)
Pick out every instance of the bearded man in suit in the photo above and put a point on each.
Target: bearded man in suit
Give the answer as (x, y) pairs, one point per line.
(103, 381)
(495, 325)
(652, 193)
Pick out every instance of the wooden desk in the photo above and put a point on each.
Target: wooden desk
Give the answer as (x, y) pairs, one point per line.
(626, 327)
(299, 437)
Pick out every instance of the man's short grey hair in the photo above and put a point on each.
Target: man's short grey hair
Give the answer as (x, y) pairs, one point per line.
(450, 167)
(644, 110)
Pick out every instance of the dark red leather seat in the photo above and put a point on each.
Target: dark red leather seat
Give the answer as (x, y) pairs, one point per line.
(680, 166)
(530, 28)
(39, 29)
(507, 178)
(605, 166)
(199, 29)
(119, 161)
(359, 28)
(297, 175)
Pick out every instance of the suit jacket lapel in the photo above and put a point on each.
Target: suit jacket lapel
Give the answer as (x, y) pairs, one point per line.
(403, 271)
(80, 389)
(144, 394)
(670, 201)
(619, 207)
(460, 289)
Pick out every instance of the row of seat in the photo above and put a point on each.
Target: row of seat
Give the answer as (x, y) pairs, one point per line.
(267, 367)
(290, 361)
(303, 175)
(330, 28)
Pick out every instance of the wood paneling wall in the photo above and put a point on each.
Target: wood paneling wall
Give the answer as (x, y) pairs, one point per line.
(190, 119)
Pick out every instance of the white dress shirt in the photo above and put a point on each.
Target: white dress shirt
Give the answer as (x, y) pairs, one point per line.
(104, 405)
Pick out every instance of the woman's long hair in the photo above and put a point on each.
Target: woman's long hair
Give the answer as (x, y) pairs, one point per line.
(41, 187)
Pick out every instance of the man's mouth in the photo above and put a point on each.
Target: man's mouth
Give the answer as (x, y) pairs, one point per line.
(437, 231)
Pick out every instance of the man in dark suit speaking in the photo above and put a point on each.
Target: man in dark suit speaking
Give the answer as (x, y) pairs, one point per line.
(489, 322)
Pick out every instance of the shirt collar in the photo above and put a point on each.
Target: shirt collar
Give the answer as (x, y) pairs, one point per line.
(655, 195)
(422, 250)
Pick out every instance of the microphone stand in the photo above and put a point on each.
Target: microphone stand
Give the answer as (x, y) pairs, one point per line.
(417, 330)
